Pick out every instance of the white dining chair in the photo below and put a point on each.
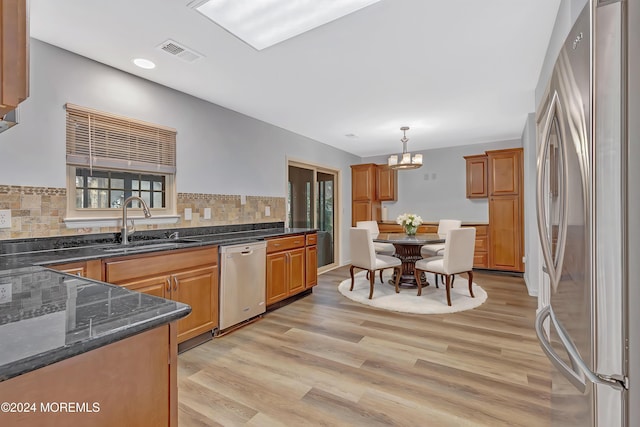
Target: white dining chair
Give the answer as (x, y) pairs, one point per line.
(457, 258)
(364, 257)
(444, 226)
(381, 248)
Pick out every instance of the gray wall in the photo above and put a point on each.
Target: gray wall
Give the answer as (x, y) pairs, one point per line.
(219, 151)
(567, 14)
(533, 263)
(437, 190)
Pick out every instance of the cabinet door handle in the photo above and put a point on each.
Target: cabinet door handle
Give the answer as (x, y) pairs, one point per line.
(168, 288)
(175, 283)
(296, 242)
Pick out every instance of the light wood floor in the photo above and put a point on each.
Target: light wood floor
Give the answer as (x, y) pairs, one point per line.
(327, 361)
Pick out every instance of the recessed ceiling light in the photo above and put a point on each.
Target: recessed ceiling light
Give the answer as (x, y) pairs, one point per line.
(264, 23)
(144, 63)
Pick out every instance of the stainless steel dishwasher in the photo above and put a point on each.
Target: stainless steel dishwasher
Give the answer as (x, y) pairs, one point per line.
(242, 282)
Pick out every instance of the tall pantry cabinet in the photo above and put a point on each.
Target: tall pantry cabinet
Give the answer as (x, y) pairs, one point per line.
(506, 216)
(371, 184)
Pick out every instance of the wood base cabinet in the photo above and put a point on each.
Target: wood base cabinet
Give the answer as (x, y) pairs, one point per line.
(481, 253)
(392, 227)
(89, 269)
(291, 266)
(187, 276)
(132, 382)
(285, 270)
(311, 268)
(386, 184)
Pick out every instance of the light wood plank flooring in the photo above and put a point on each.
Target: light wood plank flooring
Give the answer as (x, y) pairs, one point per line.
(327, 361)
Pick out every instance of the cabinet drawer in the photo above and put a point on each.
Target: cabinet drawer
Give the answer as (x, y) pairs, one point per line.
(312, 239)
(285, 243)
(389, 228)
(481, 260)
(482, 243)
(157, 264)
(428, 229)
(481, 230)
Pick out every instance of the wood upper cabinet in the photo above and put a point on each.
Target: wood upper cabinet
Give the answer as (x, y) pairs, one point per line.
(386, 183)
(506, 204)
(363, 181)
(477, 176)
(188, 276)
(505, 172)
(14, 57)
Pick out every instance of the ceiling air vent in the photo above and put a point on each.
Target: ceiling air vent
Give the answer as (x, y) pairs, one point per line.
(176, 49)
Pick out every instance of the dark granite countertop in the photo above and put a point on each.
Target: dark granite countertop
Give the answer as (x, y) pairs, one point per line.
(47, 316)
(25, 256)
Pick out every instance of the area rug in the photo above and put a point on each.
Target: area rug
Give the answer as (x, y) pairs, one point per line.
(432, 301)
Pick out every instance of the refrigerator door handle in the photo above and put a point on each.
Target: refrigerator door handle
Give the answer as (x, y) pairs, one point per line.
(594, 377)
(571, 375)
(553, 264)
(578, 381)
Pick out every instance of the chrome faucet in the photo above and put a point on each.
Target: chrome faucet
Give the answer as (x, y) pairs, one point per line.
(124, 230)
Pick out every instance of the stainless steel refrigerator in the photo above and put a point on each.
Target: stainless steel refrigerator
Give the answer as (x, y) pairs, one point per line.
(587, 185)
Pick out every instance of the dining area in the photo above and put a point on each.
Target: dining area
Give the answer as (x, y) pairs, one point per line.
(411, 254)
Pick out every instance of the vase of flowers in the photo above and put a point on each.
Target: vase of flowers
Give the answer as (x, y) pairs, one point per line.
(409, 222)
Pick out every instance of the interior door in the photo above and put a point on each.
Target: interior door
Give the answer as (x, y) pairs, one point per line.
(311, 203)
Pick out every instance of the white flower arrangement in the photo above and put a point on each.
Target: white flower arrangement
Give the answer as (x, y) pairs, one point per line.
(411, 220)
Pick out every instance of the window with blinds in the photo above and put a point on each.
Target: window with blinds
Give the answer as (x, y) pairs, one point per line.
(110, 158)
(107, 141)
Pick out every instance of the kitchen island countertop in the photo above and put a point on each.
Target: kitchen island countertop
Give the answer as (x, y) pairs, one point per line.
(47, 316)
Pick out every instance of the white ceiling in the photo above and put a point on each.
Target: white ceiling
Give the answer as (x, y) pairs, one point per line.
(456, 71)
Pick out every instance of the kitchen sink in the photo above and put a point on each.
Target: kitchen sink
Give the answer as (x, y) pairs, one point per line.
(148, 245)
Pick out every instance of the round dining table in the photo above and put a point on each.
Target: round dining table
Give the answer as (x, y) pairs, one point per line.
(408, 251)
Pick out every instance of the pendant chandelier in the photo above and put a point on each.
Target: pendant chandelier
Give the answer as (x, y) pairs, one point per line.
(406, 161)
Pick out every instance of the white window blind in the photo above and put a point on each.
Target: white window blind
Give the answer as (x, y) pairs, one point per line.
(107, 141)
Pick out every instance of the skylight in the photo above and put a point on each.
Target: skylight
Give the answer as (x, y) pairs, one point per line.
(267, 22)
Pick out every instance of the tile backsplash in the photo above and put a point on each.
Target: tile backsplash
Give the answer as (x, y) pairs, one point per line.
(40, 212)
